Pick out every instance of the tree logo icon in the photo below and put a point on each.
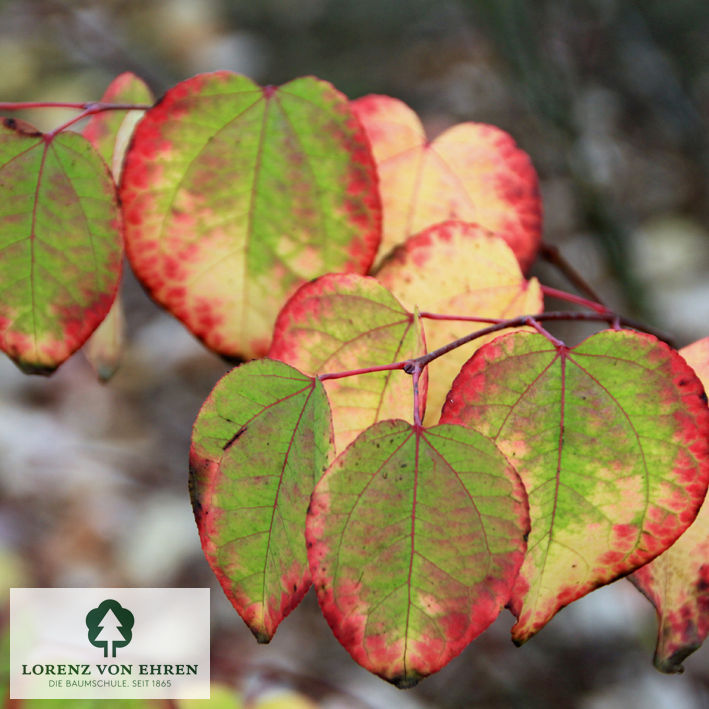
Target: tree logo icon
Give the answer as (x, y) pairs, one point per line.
(110, 626)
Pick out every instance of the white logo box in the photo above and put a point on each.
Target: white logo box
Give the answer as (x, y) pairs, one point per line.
(146, 643)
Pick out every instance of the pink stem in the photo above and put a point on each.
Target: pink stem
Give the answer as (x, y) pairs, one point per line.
(96, 108)
(543, 331)
(95, 105)
(87, 109)
(411, 366)
(571, 298)
(415, 375)
(364, 370)
(464, 318)
(522, 320)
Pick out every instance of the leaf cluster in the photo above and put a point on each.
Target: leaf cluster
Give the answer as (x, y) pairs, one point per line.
(421, 474)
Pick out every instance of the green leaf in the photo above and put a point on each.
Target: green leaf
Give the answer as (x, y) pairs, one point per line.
(415, 537)
(677, 581)
(343, 322)
(235, 195)
(609, 438)
(60, 244)
(259, 444)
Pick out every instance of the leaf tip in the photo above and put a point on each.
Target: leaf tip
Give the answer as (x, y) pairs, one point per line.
(29, 367)
(524, 628)
(407, 680)
(262, 637)
(517, 642)
(672, 665)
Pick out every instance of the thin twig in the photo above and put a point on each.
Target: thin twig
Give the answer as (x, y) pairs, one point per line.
(410, 366)
(571, 298)
(415, 375)
(608, 317)
(553, 256)
(87, 109)
(462, 318)
(543, 331)
(364, 370)
(94, 106)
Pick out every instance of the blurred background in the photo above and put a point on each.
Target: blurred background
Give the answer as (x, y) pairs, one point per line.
(611, 100)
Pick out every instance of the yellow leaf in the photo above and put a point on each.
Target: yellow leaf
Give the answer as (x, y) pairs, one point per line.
(473, 172)
(457, 268)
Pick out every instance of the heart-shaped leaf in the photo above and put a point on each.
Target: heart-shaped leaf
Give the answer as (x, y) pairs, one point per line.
(473, 172)
(110, 132)
(235, 195)
(260, 442)
(677, 582)
(485, 282)
(415, 537)
(610, 440)
(60, 244)
(344, 322)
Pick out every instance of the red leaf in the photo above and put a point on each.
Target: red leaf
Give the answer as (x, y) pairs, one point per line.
(677, 582)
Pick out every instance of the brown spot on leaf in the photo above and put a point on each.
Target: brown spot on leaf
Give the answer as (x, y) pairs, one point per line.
(232, 440)
(21, 127)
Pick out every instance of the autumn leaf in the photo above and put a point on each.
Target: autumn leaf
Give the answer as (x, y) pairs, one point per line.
(60, 244)
(473, 172)
(415, 537)
(260, 442)
(110, 132)
(344, 322)
(104, 349)
(677, 582)
(234, 195)
(457, 268)
(610, 440)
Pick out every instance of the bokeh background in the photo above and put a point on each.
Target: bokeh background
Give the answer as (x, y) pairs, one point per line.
(611, 100)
